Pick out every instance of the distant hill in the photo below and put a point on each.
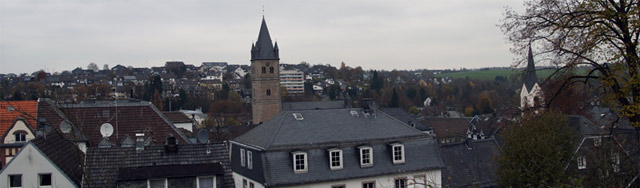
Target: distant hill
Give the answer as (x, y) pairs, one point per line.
(490, 74)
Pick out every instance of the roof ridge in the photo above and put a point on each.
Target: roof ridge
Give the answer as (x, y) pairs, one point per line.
(166, 120)
(273, 138)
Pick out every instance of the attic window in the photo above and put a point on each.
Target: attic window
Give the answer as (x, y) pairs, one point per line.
(298, 116)
(354, 113)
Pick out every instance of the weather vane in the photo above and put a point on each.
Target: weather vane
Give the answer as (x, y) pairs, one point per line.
(263, 11)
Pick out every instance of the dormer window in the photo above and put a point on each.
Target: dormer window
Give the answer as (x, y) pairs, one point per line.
(582, 162)
(249, 160)
(397, 153)
(335, 159)
(597, 141)
(366, 156)
(299, 162)
(242, 157)
(20, 136)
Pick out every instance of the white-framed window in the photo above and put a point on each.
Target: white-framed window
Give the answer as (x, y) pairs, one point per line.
(582, 162)
(251, 185)
(335, 159)
(249, 159)
(615, 161)
(15, 180)
(44, 180)
(157, 183)
(206, 182)
(244, 183)
(397, 153)
(299, 162)
(366, 156)
(400, 183)
(242, 156)
(369, 184)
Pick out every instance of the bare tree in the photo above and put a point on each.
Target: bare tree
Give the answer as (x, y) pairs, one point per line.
(601, 35)
(92, 66)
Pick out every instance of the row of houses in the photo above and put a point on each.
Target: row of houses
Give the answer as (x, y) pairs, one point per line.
(132, 144)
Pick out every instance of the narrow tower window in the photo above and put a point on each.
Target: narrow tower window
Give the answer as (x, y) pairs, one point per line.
(271, 70)
(268, 92)
(264, 70)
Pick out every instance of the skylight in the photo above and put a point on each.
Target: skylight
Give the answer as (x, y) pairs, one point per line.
(298, 116)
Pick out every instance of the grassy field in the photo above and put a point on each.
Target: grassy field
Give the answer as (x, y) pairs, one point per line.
(490, 74)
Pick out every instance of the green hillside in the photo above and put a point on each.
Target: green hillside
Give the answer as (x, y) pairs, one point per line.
(490, 74)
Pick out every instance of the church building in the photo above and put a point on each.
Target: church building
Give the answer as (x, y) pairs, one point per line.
(265, 77)
(531, 94)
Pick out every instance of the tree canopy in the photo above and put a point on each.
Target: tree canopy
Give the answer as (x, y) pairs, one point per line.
(599, 34)
(536, 151)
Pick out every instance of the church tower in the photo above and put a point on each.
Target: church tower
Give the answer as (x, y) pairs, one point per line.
(531, 94)
(265, 77)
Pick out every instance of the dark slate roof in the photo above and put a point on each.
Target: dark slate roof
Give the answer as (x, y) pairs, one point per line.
(104, 164)
(311, 105)
(420, 155)
(263, 49)
(64, 154)
(169, 171)
(530, 78)
(470, 164)
(583, 126)
(177, 117)
(326, 127)
(403, 116)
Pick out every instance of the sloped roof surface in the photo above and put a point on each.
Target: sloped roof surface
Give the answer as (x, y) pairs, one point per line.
(448, 127)
(470, 164)
(24, 109)
(103, 164)
(311, 105)
(177, 117)
(325, 127)
(530, 78)
(131, 118)
(264, 49)
(64, 154)
(54, 117)
(405, 117)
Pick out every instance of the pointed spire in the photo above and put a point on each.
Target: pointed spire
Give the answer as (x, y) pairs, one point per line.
(530, 78)
(263, 47)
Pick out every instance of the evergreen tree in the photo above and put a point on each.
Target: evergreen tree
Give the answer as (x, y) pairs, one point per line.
(395, 101)
(536, 152)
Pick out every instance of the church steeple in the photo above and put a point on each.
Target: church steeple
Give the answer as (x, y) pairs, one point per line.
(266, 99)
(263, 48)
(530, 77)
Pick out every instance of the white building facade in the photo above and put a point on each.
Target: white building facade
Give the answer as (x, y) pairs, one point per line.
(293, 80)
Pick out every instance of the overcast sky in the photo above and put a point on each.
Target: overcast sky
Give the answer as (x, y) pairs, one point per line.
(62, 35)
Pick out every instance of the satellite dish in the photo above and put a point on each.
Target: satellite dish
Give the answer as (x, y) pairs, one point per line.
(106, 130)
(203, 136)
(65, 127)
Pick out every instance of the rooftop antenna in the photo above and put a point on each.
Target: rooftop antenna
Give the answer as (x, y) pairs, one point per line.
(262, 11)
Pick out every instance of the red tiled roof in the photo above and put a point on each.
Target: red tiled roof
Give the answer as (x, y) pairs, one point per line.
(448, 127)
(24, 109)
(130, 119)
